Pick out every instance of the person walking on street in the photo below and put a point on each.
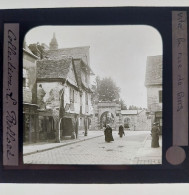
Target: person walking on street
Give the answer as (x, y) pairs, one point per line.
(155, 136)
(121, 131)
(108, 133)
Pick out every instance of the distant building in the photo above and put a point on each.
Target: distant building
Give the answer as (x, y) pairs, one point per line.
(135, 120)
(153, 83)
(53, 45)
(110, 112)
(107, 112)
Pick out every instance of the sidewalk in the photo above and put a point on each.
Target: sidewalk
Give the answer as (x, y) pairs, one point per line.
(44, 146)
(148, 155)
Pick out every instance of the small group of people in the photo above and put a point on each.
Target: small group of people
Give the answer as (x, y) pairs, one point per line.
(108, 132)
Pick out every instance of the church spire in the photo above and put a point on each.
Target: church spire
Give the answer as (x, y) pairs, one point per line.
(53, 44)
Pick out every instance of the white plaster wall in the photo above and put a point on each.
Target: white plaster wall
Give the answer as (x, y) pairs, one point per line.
(153, 98)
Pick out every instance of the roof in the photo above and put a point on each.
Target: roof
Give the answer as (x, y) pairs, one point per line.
(55, 69)
(153, 70)
(29, 52)
(75, 52)
(81, 84)
(130, 112)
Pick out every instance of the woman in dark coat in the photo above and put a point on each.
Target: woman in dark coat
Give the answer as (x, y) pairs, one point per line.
(121, 131)
(108, 133)
(155, 136)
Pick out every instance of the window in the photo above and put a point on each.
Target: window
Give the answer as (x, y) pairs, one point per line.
(71, 95)
(160, 96)
(24, 82)
(86, 98)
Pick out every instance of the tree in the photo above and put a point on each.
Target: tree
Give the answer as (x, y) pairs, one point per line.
(107, 89)
(123, 105)
(134, 108)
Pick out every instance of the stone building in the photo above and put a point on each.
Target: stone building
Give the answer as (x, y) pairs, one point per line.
(136, 120)
(30, 107)
(153, 83)
(110, 112)
(53, 45)
(107, 112)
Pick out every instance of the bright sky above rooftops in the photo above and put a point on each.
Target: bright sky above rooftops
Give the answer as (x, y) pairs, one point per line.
(117, 51)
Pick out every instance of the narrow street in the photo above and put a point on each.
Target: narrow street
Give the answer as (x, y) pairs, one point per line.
(126, 150)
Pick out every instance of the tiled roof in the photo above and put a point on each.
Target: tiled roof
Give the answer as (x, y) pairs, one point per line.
(77, 65)
(81, 84)
(28, 51)
(75, 52)
(53, 68)
(153, 70)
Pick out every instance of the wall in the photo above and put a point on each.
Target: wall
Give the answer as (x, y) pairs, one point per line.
(138, 122)
(52, 96)
(153, 98)
(143, 123)
(29, 64)
(102, 107)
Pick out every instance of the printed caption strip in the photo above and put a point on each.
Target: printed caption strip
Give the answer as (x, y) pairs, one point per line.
(175, 155)
(10, 94)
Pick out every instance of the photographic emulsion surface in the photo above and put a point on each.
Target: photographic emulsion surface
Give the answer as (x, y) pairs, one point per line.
(92, 95)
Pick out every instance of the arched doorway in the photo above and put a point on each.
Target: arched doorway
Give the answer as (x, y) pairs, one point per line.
(127, 122)
(106, 118)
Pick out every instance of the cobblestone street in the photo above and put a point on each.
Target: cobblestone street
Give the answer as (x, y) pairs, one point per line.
(133, 148)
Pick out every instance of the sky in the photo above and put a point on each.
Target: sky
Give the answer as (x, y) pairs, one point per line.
(119, 52)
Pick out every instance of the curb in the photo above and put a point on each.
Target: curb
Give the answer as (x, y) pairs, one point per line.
(61, 145)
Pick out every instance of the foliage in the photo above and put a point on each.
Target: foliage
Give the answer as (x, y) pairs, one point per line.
(123, 105)
(134, 108)
(107, 90)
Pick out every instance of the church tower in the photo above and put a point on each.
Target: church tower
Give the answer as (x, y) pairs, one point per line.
(53, 44)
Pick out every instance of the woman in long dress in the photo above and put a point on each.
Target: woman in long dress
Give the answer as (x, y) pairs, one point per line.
(108, 133)
(155, 136)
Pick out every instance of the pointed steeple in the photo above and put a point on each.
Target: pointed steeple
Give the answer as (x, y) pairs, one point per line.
(53, 44)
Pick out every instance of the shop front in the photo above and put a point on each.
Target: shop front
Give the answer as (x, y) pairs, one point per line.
(30, 123)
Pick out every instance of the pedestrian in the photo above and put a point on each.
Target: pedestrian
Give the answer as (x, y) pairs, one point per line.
(121, 131)
(108, 133)
(155, 136)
